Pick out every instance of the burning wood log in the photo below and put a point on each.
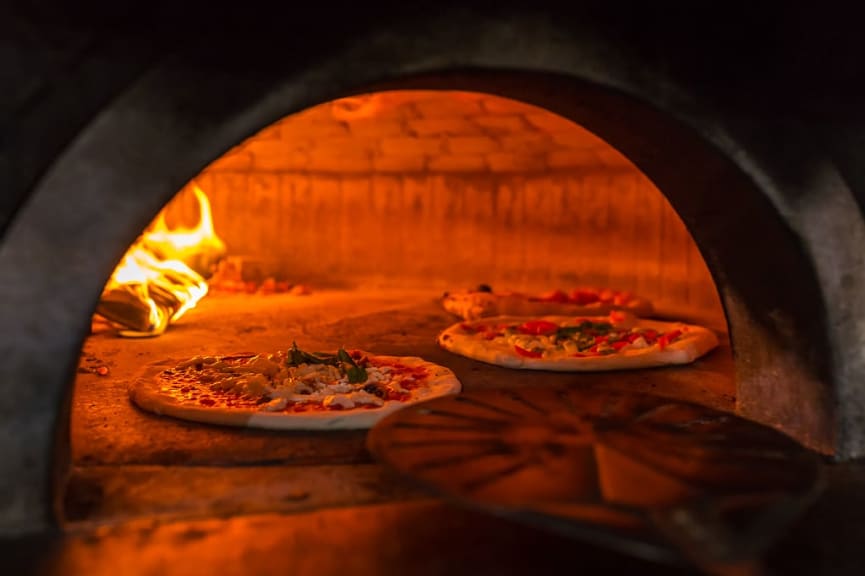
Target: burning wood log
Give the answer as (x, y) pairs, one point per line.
(129, 307)
(147, 306)
(154, 284)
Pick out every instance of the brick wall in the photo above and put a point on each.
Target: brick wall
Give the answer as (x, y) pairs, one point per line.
(448, 190)
(417, 132)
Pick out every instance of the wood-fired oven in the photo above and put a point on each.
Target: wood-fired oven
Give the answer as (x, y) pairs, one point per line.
(360, 163)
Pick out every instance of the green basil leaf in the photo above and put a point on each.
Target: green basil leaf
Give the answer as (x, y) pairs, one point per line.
(567, 331)
(344, 356)
(603, 327)
(341, 360)
(296, 357)
(355, 373)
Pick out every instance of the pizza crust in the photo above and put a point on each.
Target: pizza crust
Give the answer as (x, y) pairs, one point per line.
(694, 343)
(145, 391)
(472, 305)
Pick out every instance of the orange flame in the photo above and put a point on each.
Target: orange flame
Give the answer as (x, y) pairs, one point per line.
(185, 243)
(156, 281)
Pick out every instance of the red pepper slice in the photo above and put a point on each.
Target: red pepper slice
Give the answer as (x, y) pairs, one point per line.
(527, 353)
(600, 339)
(554, 296)
(617, 316)
(650, 335)
(392, 395)
(622, 298)
(667, 338)
(584, 297)
(538, 327)
(619, 345)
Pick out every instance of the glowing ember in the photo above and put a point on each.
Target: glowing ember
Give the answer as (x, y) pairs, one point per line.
(160, 277)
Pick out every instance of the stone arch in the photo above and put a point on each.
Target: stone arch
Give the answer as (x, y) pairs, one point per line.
(194, 105)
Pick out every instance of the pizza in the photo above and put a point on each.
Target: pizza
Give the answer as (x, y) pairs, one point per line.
(571, 344)
(290, 389)
(483, 301)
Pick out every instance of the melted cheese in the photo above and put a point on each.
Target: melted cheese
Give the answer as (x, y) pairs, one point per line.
(266, 377)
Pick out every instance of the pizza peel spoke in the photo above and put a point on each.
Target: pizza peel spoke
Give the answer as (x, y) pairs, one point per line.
(444, 427)
(467, 417)
(475, 402)
(654, 411)
(621, 407)
(496, 475)
(708, 419)
(566, 402)
(430, 443)
(517, 397)
(680, 415)
(457, 459)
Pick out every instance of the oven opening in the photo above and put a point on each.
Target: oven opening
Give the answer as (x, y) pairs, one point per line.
(344, 225)
(277, 181)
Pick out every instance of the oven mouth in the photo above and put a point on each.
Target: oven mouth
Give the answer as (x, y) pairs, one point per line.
(734, 383)
(344, 225)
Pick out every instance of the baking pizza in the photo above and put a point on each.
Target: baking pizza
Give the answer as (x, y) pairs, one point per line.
(290, 389)
(571, 344)
(483, 301)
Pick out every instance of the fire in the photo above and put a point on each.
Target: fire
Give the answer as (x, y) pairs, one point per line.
(160, 277)
(184, 244)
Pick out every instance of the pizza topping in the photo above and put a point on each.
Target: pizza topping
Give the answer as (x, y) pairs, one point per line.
(275, 405)
(538, 327)
(571, 343)
(293, 379)
(341, 359)
(539, 338)
(482, 301)
(528, 353)
(375, 390)
(665, 339)
(486, 331)
(585, 297)
(346, 401)
(554, 296)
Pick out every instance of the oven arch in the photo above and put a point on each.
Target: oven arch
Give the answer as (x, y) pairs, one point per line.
(144, 145)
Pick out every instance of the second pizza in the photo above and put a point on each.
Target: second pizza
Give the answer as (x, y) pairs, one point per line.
(618, 341)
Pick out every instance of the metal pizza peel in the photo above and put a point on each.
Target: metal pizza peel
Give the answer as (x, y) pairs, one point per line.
(651, 477)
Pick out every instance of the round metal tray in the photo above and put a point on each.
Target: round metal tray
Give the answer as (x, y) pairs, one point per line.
(648, 476)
